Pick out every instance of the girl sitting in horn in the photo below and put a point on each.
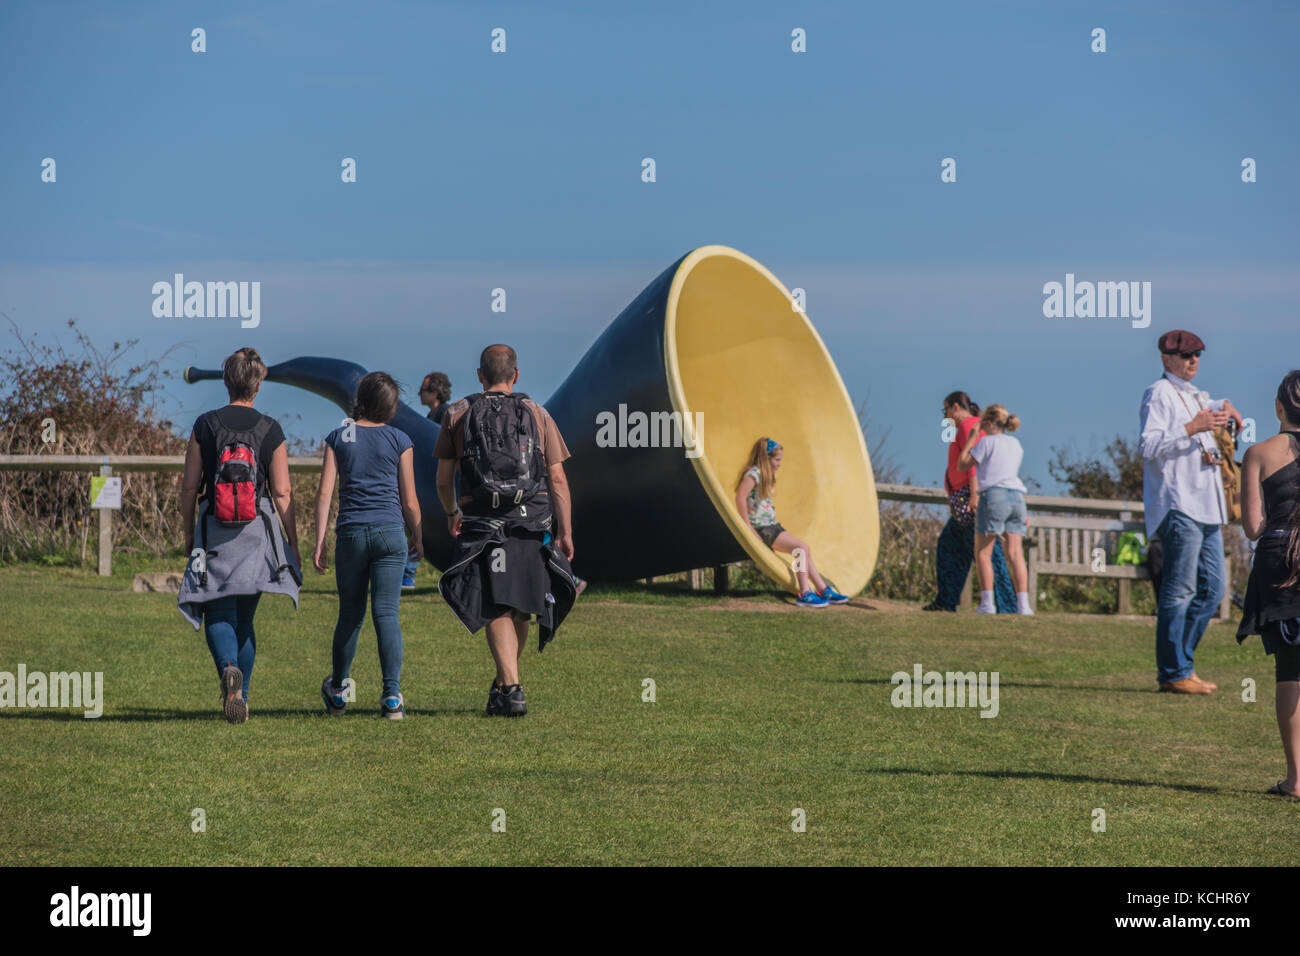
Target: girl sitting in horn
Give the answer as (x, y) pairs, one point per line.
(754, 502)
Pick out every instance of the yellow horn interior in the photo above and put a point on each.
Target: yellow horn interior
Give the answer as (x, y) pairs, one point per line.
(738, 352)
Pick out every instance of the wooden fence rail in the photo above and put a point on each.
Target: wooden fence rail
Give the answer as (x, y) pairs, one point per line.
(1046, 553)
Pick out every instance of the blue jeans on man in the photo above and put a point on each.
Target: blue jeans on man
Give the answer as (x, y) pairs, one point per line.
(1190, 591)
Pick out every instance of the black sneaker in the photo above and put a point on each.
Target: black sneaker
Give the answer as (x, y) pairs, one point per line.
(936, 606)
(494, 707)
(232, 695)
(512, 701)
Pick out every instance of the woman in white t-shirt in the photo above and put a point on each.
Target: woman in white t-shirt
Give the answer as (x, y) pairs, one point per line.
(1001, 510)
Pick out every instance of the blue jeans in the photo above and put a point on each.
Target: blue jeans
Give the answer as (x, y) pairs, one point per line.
(369, 556)
(228, 627)
(1190, 592)
(999, 510)
(412, 565)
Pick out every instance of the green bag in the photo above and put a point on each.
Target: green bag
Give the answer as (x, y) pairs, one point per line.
(1131, 548)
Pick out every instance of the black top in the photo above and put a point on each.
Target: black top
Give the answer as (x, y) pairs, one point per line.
(1280, 495)
(239, 417)
(435, 414)
(1267, 602)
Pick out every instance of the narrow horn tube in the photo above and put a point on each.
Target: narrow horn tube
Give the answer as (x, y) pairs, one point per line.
(192, 374)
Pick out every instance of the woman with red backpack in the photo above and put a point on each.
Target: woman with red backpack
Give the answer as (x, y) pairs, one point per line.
(237, 471)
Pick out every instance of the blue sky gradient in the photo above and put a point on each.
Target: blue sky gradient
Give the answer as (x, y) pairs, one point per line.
(522, 170)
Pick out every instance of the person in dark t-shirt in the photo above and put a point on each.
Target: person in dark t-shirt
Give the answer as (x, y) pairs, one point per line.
(228, 620)
(435, 392)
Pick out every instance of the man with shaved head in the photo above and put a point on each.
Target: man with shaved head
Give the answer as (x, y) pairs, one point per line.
(511, 520)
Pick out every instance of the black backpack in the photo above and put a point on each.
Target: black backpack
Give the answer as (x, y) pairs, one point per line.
(501, 465)
(237, 481)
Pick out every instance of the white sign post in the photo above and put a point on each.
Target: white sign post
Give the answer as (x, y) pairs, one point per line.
(105, 491)
(106, 495)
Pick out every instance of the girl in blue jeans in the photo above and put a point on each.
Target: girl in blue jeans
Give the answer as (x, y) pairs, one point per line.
(377, 511)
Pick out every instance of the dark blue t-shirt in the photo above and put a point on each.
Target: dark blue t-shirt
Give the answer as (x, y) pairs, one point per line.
(368, 474)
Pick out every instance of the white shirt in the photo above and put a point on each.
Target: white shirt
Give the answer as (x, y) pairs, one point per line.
(997, 462)
(1173, 475)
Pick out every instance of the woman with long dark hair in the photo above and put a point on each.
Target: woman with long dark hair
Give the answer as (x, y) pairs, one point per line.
(377, 511)
(955, 550)
(1270, 515)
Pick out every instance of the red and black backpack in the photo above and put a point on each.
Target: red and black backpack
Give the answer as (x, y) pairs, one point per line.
(237, 481)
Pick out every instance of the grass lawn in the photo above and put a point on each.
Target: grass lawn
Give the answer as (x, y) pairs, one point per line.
(760, 709)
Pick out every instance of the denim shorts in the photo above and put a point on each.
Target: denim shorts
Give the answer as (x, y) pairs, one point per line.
(1000, 509)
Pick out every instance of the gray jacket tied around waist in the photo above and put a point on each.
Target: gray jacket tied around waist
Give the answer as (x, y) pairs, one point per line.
(249, 559)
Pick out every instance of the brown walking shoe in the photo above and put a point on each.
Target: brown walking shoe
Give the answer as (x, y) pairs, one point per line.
(1187, 685)
(1208, 683)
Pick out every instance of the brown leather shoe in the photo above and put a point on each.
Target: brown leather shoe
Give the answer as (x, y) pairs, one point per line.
(1208, 683)
(1185, 686)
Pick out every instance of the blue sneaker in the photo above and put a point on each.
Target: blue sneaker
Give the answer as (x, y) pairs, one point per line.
(811, 599)
(335, 705)
(393, 707)
(833, 596)
(408, 582)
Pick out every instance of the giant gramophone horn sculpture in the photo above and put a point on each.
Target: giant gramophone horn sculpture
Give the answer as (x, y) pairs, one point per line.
(716, 338)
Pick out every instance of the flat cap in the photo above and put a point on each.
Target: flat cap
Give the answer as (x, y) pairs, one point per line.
(1180, 340)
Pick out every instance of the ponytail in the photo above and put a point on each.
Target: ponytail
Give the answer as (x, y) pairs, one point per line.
(999, 417)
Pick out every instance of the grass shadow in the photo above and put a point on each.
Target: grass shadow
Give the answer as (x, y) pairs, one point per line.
(1051, 777)
(671, 589)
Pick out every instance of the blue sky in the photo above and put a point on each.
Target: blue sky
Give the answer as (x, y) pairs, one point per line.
(522, 170)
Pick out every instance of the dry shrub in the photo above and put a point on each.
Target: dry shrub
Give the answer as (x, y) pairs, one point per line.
(99, 404)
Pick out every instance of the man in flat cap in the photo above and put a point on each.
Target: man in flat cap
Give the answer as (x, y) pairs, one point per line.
(1182, 494)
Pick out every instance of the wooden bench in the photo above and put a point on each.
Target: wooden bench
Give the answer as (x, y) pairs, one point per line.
(1065, 544)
